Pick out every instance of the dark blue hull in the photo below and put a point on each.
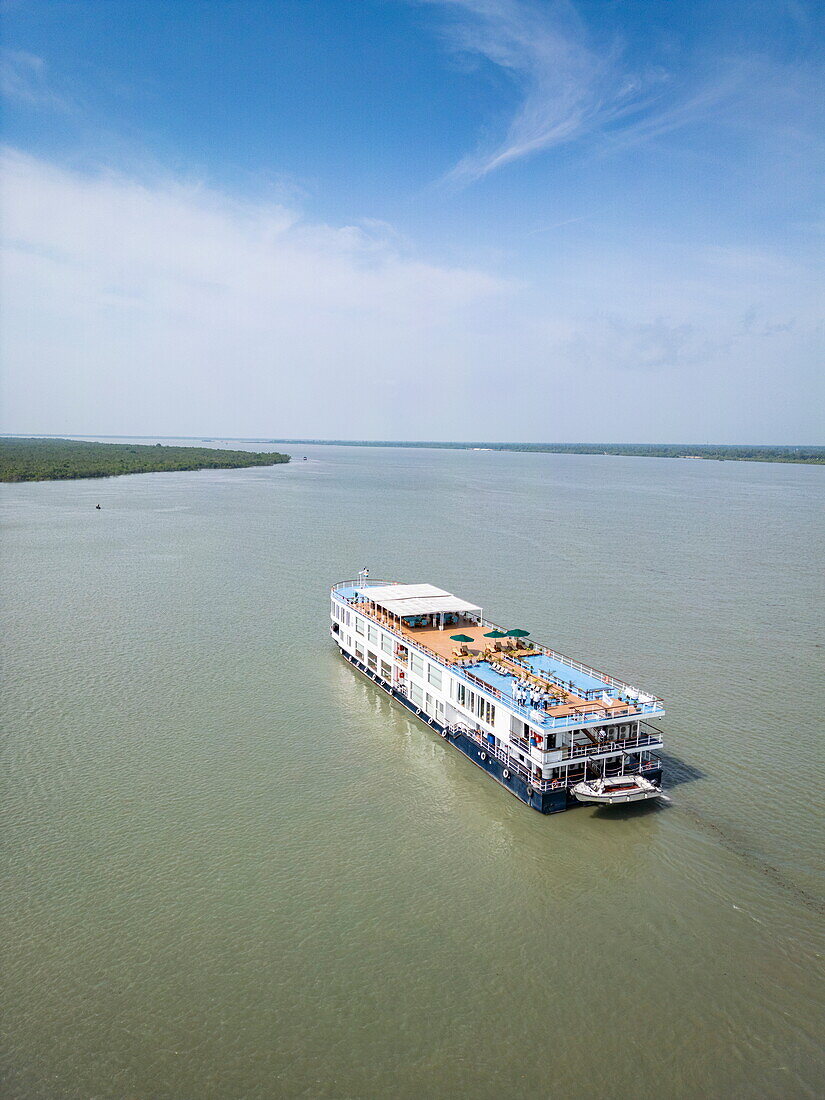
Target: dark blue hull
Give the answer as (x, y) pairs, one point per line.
(546, 802)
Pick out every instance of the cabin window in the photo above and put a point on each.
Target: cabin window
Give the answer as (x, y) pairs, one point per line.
(372, 633)
(372, 660)
(417, 663)
(386, 670)
(517, 727)
(416, 694)
(386, 643)
(486, 711)
(359, 653)
(461, 694)
(359, 625)
(434, 676)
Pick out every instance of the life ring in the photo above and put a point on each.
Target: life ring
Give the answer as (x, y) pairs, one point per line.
(506, 774)
(554, 784)
(483, 755)
(443, 733)
(530, 791)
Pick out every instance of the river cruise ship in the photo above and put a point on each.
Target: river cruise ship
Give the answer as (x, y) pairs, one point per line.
(537, 722)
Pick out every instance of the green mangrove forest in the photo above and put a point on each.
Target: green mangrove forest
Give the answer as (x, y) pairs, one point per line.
(64, 459)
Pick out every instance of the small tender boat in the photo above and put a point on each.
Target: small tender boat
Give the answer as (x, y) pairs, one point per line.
(615, 789)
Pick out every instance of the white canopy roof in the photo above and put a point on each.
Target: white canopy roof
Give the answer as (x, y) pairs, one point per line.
(378, 593)
(415, 599)
(430, 605)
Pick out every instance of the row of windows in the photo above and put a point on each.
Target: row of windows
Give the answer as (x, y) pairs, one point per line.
(421, 668)
(340, 613)
(373, 634)
(418, 666)
(475, 703)
(372, 661)
(470, 700)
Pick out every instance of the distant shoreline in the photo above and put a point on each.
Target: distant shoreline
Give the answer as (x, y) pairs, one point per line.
(718, 452)
(56, 459)
(725, 452)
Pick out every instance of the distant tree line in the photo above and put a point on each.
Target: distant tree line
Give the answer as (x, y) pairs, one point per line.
(719, 451)
(62, 459)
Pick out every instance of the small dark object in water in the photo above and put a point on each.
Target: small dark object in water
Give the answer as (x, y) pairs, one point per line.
(305, 458)
(98, 507)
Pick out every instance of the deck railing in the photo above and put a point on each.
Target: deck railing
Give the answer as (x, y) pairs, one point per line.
(574, 752)
(505, 758)
(528, 714)
(643, 697)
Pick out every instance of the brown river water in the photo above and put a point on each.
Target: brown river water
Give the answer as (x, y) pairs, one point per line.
(234, 868)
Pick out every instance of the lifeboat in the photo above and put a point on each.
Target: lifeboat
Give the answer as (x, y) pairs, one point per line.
(616, 789)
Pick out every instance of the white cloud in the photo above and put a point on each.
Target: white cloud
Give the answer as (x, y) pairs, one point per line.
(160, 307)
(157, 303)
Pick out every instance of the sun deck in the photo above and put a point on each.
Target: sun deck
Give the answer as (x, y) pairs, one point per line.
(559, 690)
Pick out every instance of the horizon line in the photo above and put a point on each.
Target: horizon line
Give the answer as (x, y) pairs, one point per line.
(404, 442)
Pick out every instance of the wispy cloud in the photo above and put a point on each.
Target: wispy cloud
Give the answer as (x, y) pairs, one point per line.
(24, 79)
(569, 89)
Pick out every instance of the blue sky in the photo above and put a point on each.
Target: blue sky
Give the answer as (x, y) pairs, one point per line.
(489, 219)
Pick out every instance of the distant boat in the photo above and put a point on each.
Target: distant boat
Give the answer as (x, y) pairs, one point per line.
(305, 458)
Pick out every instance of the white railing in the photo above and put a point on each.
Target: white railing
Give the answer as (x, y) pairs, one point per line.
(529, 714)
(356, 582)
(644, 698)
(576, 752)
(505, 758)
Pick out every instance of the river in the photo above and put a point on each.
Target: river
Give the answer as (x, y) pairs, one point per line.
(234, 868)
